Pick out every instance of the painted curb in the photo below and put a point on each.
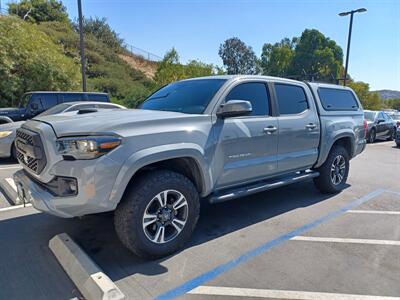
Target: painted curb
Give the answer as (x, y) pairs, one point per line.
(10, 190)
(91, 282)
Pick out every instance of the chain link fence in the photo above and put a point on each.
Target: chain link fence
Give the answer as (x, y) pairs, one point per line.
(135, 51)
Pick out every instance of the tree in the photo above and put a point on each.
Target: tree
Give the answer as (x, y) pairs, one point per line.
(393, 103)
(29, 60)
(369, 100)
(276, 59)
(170, 69)
(99, 28)
(238, 58)
(38, 11)
(317, 56)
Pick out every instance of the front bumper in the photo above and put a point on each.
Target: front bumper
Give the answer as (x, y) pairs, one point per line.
(95, 182)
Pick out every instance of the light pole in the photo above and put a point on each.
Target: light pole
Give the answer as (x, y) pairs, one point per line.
(82, 46)
(351, 13)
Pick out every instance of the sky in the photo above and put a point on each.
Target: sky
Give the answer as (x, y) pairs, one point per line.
(197, 28)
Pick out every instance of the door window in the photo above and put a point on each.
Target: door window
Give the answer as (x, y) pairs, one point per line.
(291, 99)
(254, 92)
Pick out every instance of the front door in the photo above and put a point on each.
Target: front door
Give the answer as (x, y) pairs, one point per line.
(247, 145)
(299, 128)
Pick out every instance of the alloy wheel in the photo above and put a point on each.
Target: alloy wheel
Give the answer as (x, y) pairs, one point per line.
(338, 169)
(165, 216)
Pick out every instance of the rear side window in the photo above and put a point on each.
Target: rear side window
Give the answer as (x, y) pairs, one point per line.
(335, 99)
(96, 97)
(71, 97)
(255, 93)
(49, 100)
(291, 99)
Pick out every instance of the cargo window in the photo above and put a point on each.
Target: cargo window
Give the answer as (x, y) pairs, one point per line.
(337, 99)
(291, 99)
(254, 92)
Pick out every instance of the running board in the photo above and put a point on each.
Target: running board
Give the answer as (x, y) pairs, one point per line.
(261, 187)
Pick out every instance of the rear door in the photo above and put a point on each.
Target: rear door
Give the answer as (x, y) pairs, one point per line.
(381, 125)
(246, 145)
(299, 127)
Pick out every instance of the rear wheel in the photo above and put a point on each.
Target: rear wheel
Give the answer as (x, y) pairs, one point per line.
(392, 135)
(372, 136)
(158, 214)
(334, 171)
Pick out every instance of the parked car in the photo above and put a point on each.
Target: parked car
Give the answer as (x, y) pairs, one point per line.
(380, 126)
(34, 103)
(396, 119)
(212, 138)
(8, 131)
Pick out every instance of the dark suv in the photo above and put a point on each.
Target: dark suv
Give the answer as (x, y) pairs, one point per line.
(34, 103)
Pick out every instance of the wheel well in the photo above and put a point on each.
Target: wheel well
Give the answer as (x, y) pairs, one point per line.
(346, 143)
(186, 166)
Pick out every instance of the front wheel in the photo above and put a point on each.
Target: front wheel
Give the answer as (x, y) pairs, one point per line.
(334, 171)
(158, 214)
(372, 136)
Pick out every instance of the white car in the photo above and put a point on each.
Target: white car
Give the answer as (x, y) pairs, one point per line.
(8, 130)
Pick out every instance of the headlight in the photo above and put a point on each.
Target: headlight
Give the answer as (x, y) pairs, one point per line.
(4, 134)
(88, 147)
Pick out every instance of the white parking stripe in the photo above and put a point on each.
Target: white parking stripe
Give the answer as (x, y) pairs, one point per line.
(8, 168)
(280, 294)
(15, 207)
(340, 240)
(378, 212)
(380, 143)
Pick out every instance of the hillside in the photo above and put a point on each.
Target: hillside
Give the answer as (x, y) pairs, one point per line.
(149, 68)
(388, 94)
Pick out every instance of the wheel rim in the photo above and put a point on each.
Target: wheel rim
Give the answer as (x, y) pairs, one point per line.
(338, 169)
(372, 136)
(165, 216)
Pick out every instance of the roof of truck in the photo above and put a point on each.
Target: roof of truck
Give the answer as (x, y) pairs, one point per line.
(60, 92)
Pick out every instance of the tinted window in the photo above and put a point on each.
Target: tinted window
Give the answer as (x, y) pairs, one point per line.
(189, 96)
(100, 98)
(335, 99)
(291, 99)
(55, 110)
(71, 97)
(49, 100)
(255, 93)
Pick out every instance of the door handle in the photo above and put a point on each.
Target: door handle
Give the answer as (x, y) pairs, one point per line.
(270, 129)
(311, 126)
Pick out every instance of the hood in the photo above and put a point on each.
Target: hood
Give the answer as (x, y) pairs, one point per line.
(10, 111)
(108, 121)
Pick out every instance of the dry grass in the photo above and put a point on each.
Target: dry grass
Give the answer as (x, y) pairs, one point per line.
(149, 68)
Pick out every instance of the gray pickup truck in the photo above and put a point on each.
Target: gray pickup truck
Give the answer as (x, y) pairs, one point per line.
(206, 139)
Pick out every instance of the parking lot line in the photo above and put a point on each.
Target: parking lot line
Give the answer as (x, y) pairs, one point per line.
(280, 294)
(12, 167)
(378, 212)
(345, 240)
(15, 207)
(223, 268)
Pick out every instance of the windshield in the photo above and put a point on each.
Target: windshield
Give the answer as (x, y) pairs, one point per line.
(24, 100)
(190, 96)
(55, 110)
(369, 115)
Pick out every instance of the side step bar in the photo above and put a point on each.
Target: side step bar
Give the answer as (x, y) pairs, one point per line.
(261, 186)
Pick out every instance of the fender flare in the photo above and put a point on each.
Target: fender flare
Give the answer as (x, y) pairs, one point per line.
(156, 154)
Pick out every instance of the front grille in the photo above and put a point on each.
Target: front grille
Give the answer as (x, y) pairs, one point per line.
(30, 151)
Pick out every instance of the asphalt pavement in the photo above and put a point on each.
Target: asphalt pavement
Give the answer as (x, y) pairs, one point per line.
(289, 243)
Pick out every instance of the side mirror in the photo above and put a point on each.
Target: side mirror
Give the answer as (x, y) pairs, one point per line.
(234, 108)
(381, 121)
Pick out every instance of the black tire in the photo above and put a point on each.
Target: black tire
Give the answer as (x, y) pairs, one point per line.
(324, 181)
(398, 145)
(372, 136)
(128, 217)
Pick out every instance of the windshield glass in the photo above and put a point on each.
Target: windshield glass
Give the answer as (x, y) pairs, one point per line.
(24, 100)
(190, 96)
(55, 110)
(369, 115)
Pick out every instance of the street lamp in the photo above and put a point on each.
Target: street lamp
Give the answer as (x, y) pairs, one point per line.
(82, 46)
(343, 14)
